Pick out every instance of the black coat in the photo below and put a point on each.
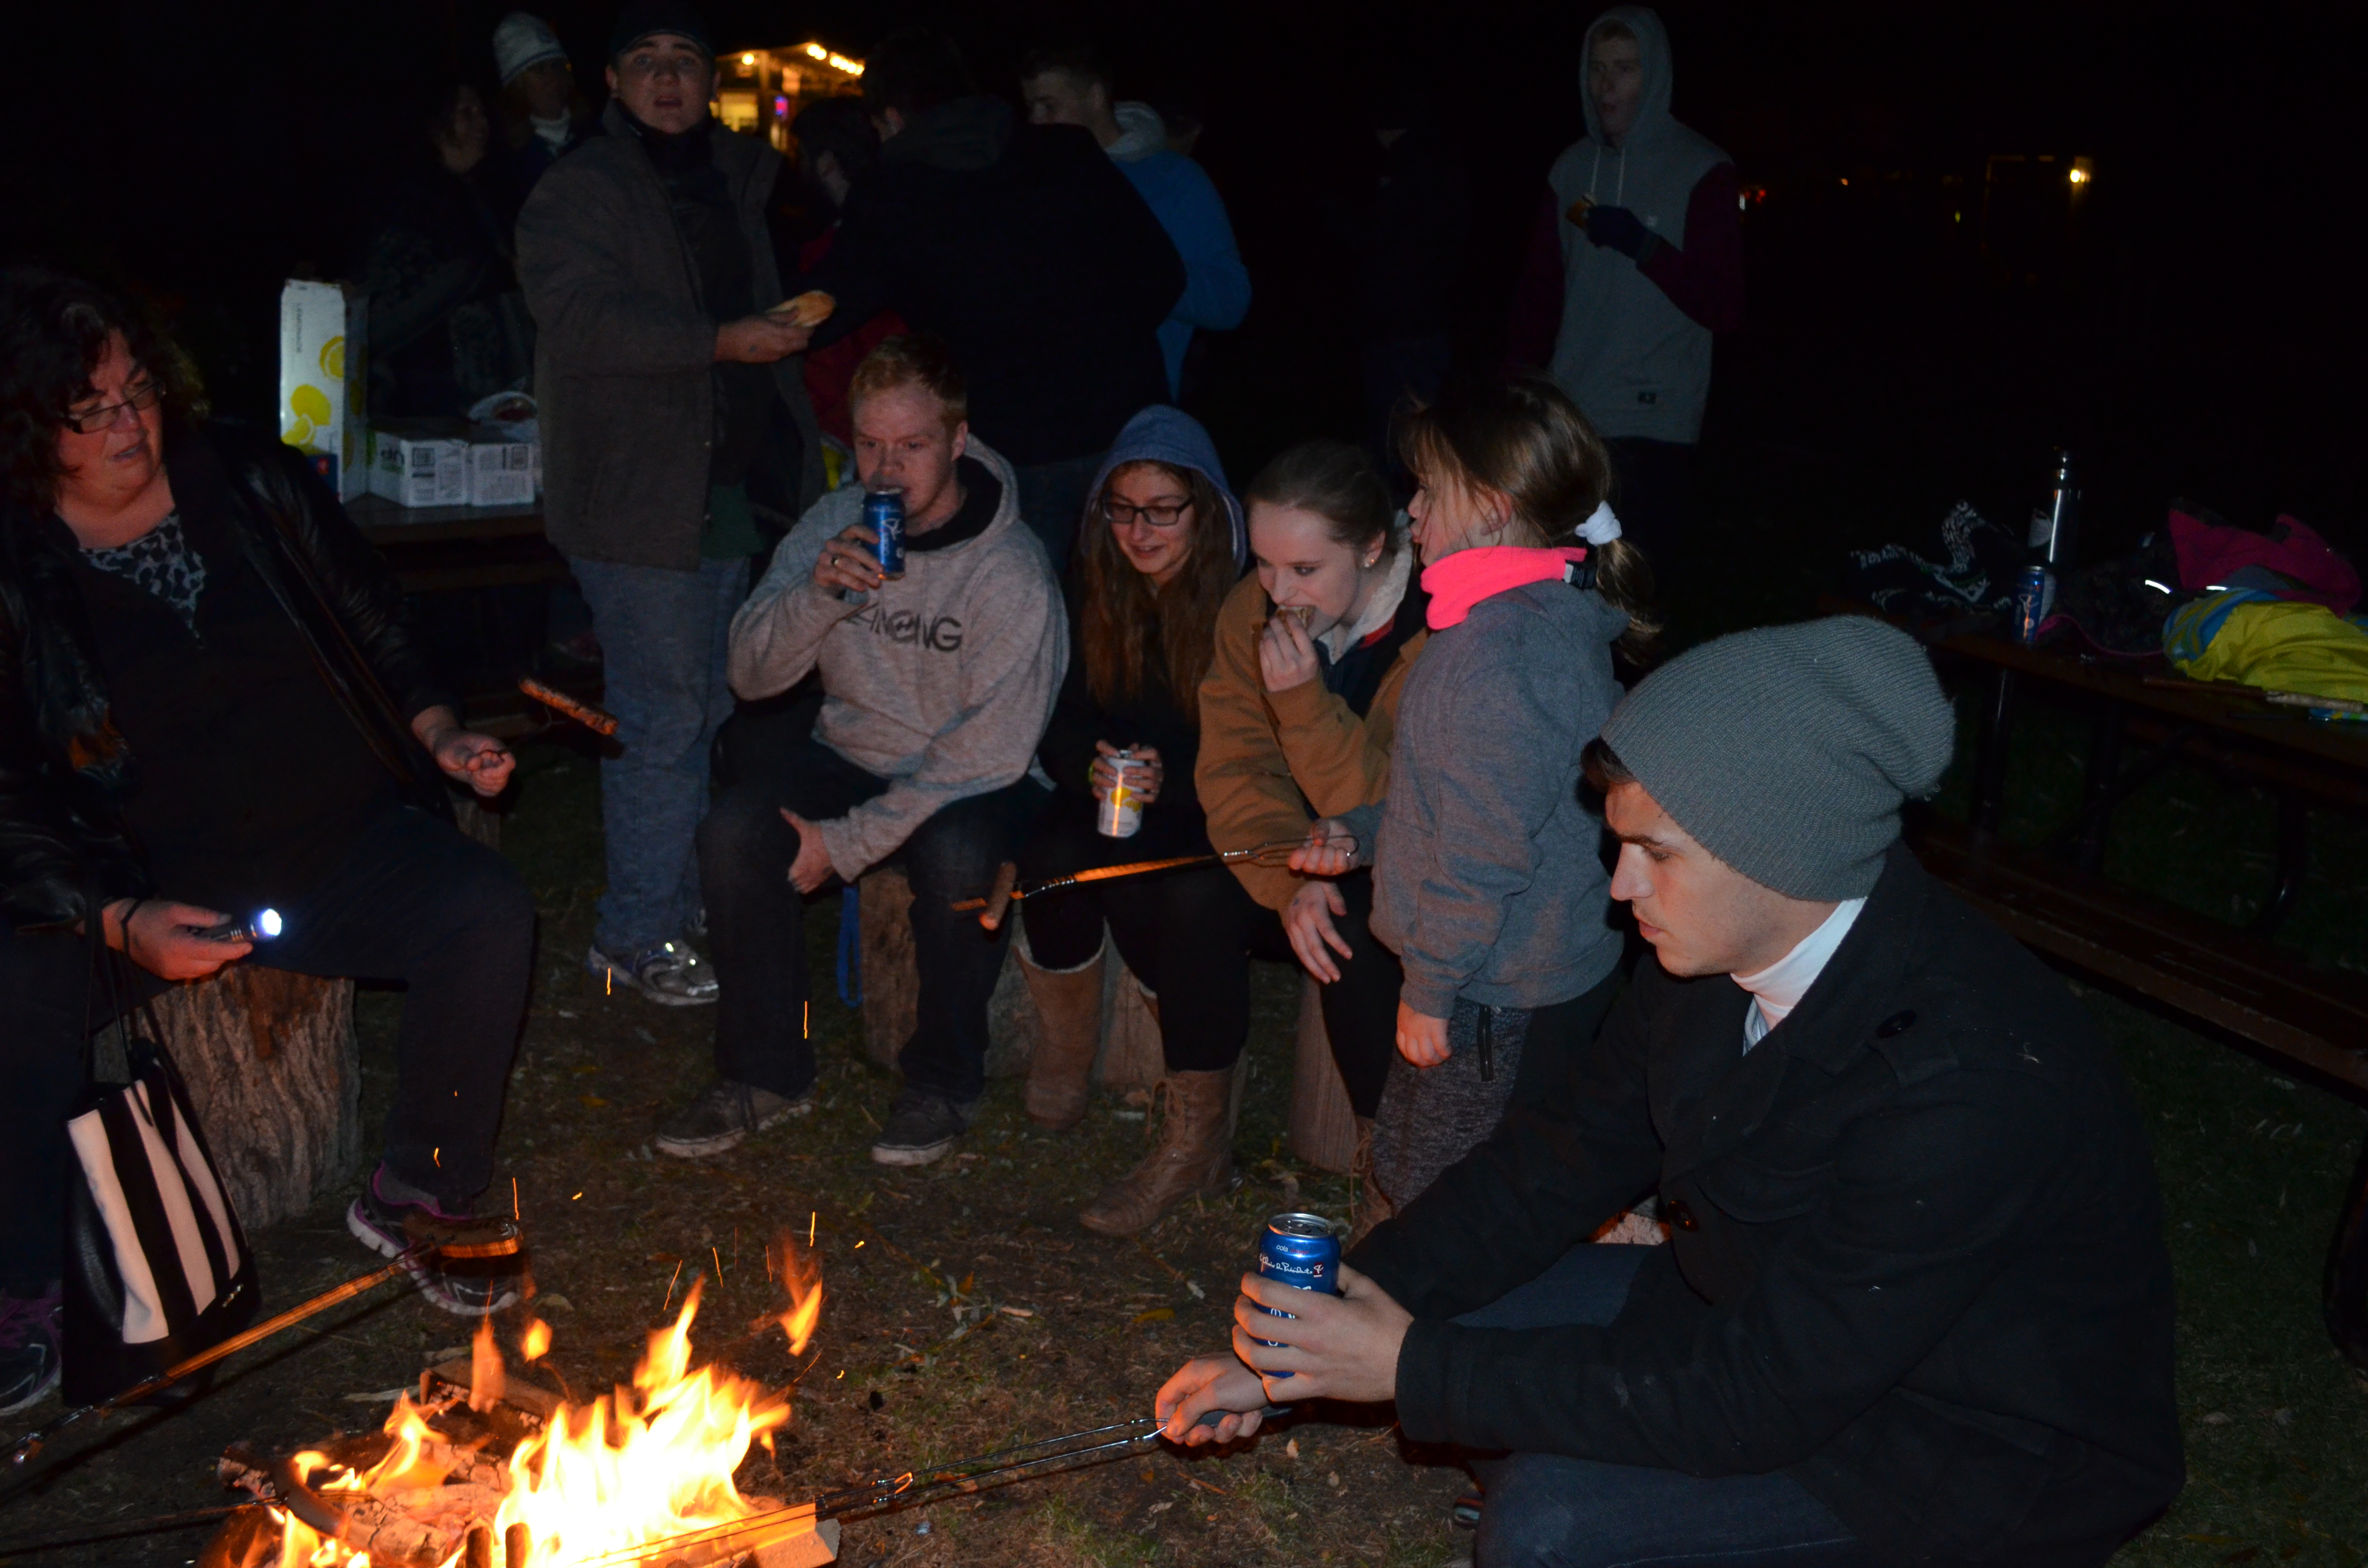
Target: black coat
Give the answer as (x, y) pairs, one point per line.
(1917, 1258)
(64, 770)
(1172, 825)
(1027, 250)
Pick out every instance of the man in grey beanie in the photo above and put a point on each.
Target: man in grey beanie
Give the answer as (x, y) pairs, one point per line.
(1916, 1304)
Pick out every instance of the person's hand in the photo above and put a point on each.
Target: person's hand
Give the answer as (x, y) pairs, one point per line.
(481, 762)
(812, 868)
(1286, 653)
(1307, 921)
(1148, 771)
(849, 563)
(1343, 1346)
(1330, 850)
(1422, 1040)
(759, 340)
(1206, 1383)
(1620, 229)
(163, 938)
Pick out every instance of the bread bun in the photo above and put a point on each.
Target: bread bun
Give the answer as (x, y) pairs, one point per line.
(810, 309)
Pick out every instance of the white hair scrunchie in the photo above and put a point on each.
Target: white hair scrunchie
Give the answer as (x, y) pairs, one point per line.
(1602, 527)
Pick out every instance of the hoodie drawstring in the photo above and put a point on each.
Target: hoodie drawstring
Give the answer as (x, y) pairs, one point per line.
(1620, 196)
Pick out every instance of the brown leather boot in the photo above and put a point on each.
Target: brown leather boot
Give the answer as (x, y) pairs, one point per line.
(1069, 1001)
(1194, 1158)
(1373, 1205)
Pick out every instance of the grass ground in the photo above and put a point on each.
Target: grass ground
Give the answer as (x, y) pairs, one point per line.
(2252, 1160)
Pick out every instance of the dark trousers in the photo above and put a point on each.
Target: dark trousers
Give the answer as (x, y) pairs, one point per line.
(1053, 503)
(1653, 495)
(756, 921)
(1552, 1511)
(1190, 934)
(413, 901)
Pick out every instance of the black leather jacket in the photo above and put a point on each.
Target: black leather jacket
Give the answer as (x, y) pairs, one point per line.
(64, 770)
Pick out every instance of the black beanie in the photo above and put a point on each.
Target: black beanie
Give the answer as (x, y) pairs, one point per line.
(640, 19)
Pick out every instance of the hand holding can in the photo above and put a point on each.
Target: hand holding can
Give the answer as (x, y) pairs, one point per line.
(883, 513)
(1119, 808)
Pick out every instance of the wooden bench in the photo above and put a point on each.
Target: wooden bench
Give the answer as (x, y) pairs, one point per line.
(2056, 901)
(1323, 1128)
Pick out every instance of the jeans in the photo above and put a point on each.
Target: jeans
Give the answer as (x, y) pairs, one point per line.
(414, 901)
(1053, 503)
(756, 921)
(1552, 1511)
(663, 639)
(1654, 494)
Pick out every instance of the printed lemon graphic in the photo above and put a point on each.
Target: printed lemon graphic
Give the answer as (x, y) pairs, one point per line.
(299, 433)
(309, 402)
(332, 360)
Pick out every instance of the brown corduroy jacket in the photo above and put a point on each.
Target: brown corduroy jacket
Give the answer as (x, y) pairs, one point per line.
(1271, 762)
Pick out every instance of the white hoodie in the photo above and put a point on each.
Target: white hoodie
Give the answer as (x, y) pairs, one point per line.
(941, 681)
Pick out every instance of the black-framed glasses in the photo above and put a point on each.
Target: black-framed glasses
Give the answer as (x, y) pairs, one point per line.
(95, 421)
(1122, 514)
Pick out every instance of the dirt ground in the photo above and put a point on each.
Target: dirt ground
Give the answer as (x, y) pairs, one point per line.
(925, 1356)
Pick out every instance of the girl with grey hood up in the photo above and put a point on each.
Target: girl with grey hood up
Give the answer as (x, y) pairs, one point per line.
(1487, 879)
(1637, 259)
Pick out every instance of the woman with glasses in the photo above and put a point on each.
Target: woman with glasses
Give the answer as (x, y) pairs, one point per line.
(209, 705)
(1160, 546)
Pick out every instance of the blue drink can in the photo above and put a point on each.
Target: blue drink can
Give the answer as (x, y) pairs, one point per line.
(1303, 1252)
(883, 513)
(2035, 598)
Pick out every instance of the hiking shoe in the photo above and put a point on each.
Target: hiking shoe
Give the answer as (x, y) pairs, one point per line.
(28, 1349)
(477, 1266)
(921, 1128)
(671, 974)
(724, 1115)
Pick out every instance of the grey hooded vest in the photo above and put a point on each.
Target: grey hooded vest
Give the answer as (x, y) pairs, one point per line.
(1634, 363)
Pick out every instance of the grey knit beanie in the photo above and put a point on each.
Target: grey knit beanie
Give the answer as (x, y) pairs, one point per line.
(1786, 751)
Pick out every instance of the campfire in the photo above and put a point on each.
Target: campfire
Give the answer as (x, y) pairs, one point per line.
(481, 1468)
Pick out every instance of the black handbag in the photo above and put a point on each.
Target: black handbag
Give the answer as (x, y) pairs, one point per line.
(157, 1267)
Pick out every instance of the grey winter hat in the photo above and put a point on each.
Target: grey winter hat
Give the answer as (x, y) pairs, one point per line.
(522, 41)
(1786, 751)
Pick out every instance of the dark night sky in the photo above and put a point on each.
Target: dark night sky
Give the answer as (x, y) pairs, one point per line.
(2203, 338)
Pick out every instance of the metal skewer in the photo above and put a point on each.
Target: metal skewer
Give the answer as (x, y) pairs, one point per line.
(1276, 853)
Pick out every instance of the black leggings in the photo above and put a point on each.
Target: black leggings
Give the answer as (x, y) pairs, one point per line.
(1189, 934)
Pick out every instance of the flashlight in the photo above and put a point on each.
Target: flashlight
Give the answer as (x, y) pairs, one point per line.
(262, 927)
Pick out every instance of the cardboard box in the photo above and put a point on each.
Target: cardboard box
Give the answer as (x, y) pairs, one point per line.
(418, 463)
(324, 366)
(501, 471)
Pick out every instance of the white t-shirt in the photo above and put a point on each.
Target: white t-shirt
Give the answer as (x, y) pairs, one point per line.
(1778, 989)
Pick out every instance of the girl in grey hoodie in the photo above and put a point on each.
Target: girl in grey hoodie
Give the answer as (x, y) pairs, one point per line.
(1486, 876)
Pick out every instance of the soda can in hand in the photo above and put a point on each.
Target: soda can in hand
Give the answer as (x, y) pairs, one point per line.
(1302, 1251)
(883, 513)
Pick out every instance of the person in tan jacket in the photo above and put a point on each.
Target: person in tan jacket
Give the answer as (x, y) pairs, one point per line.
(1296, 715)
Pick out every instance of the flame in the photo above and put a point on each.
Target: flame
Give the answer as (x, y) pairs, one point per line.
(603, 1481)
(486, 1372)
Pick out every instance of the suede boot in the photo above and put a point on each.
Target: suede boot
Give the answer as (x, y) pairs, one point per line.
(1194, 1158)
(1373, 1205)
(1070, 1003)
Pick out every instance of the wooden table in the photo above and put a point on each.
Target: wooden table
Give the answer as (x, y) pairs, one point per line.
(2057, 900)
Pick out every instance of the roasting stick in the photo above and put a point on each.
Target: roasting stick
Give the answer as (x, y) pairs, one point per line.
(1277, 853)
(567, 707)
(33, 1443)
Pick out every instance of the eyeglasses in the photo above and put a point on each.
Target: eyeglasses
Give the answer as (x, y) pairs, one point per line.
(1120, 514)
(93, 422)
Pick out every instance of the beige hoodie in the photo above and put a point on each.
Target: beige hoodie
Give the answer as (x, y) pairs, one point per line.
(941, 681)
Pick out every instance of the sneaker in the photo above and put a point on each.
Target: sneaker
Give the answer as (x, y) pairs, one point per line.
(724, 1115)
(478, 1265)
(28, 1349)
(671, 974)
(921, 1128)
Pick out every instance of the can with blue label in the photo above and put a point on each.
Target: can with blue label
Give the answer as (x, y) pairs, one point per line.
(2034, 599)
(883, 513)
(1302, 1251)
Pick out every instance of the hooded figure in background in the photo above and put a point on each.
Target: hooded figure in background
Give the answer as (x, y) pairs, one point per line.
(1637, 259)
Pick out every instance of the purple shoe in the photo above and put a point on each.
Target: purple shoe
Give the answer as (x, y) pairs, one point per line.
(28, 1349)
(477, 1266)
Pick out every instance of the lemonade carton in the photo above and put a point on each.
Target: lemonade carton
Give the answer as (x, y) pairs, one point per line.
(323, 333)
(420, 463)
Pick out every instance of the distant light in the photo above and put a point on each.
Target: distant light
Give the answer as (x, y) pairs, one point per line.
(267, 923)
(2078, 177)
(817, 51)
(1846, 179)
(780, 106)
(747, 60)
(2083, 171)
(852, 67)
(2157, 588)
(1743, 204)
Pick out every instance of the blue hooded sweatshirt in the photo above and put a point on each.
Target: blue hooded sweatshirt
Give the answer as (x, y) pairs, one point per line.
(1634, 363)
(1216, 286)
